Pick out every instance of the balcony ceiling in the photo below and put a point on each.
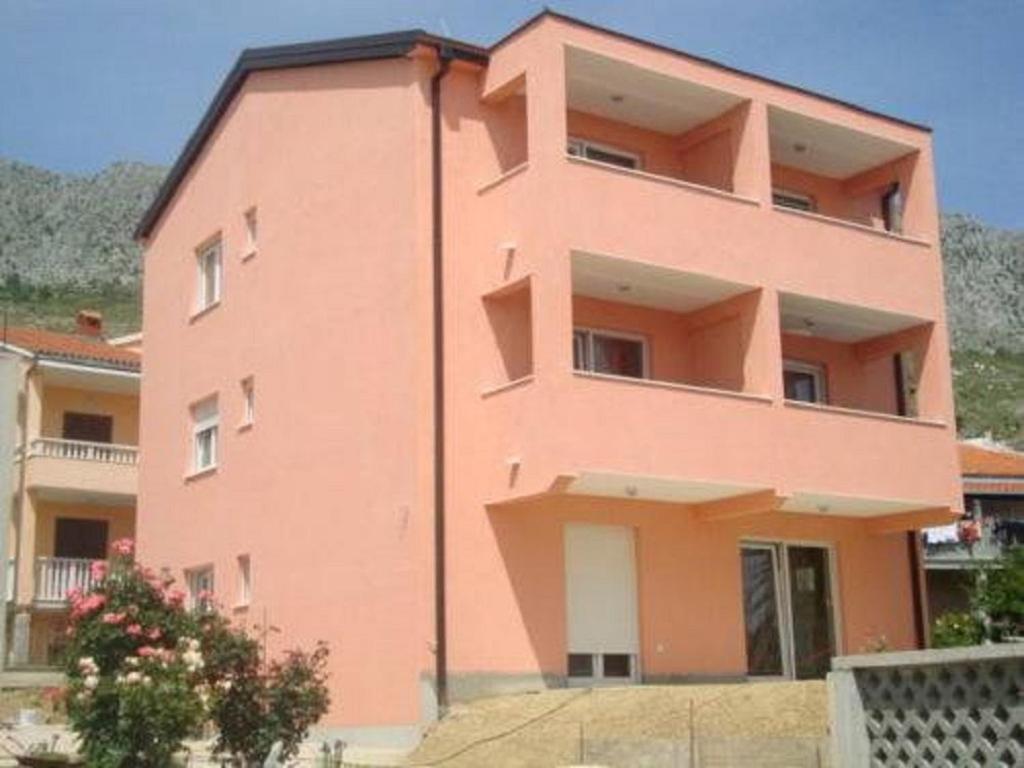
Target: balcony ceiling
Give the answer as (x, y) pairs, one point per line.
(89, 378)
(847, 506)
(671, 489)
(635, 282)
(847, 323)
(648, 99)
(829, 149)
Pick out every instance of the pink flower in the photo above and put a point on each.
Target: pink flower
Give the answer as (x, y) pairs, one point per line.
(123, 547)
(87, 605)
(204, 596)
(154, 633)
(74, 595)
(148, 651)
(98, 570)
(133, 629)
(174, 597)
(112, 618)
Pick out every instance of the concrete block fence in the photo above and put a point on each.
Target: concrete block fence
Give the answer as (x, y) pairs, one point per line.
(951, 707)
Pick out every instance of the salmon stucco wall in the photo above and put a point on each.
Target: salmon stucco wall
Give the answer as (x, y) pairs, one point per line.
(328, 491)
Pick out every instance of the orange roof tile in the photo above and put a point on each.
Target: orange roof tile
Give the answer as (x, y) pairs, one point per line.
(991, 462)
(71, 347)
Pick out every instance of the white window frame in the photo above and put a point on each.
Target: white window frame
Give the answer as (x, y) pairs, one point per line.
(209, 254)
(201, 425)
(812, 206)
(244, 581)
(251, 221)
(589, 361)
(577, 147)
(248, 385)
(817, 370)
(199, 579)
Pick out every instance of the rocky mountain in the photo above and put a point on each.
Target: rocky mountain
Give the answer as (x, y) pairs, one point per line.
(65, 243)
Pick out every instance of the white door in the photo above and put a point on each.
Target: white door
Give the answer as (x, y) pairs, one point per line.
(600, 588)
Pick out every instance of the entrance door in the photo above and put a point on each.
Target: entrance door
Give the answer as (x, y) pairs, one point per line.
(600, 587)
(84, 539)
(787, 610)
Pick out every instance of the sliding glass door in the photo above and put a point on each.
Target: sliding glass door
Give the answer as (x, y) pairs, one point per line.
(787, 610)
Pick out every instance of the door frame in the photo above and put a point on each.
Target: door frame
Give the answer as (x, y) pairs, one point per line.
(782, 590)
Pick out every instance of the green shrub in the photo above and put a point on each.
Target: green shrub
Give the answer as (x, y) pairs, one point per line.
(144, 674)
(952, 630)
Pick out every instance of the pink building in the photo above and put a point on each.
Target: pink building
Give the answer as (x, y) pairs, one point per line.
(575, 360)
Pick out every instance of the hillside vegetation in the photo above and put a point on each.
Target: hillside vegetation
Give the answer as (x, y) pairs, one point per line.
(65, 244)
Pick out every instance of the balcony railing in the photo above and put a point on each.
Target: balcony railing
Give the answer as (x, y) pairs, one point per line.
(991, 543)
(82, 450)
(56, 576)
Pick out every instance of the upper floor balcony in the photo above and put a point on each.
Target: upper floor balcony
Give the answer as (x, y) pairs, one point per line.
(714, 176)
(686, 386)
(63, 468)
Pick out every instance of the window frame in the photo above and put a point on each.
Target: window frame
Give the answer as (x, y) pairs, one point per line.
(192, 575)
(211, 250)
(244, 597)
(815, 370)
(200, 426)
(590, 332)
(248, 386)
(782, 192)
(250, 221)
(582, 145)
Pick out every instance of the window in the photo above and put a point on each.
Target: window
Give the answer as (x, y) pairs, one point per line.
(608, 352)
(800, 202)
(92, 427)
(200, 588)
(804, 382)
(244, 580)
(209, 276)
(603, 154)
(600, 666)
(205, 421)
(248, 402)
(250, 233)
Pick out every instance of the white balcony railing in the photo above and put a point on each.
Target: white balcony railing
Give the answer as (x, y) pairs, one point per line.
(56, 576)
(82, 450)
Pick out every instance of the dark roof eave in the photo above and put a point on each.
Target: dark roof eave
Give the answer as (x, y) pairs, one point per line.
(363, 48)
(90, 362)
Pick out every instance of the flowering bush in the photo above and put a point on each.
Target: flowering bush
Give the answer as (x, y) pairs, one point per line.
(144, 674)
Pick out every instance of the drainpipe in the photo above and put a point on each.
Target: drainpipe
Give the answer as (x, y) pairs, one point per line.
(918, 589)
(444, 55)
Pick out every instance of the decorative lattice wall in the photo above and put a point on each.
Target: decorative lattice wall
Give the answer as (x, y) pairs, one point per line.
(944, 708)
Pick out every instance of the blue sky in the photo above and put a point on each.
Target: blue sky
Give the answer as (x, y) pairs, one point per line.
(88, 82)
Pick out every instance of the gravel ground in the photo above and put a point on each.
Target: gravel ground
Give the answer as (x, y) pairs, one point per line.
(553, 728)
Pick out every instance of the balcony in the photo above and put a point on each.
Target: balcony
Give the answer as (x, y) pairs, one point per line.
(55, 577)
(60, 469)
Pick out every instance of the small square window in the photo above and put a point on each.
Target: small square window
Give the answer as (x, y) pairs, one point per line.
(616, 665)
(581, 665)
(210, 276)
(205, 424)
(200, 588)
(244, 580)
(251, 232)
(248, 401)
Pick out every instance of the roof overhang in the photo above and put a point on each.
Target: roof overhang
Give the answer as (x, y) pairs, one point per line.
(60, 373)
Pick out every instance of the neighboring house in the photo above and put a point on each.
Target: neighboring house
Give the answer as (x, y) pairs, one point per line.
(993, 480)
(75, 475)
(649, 382)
